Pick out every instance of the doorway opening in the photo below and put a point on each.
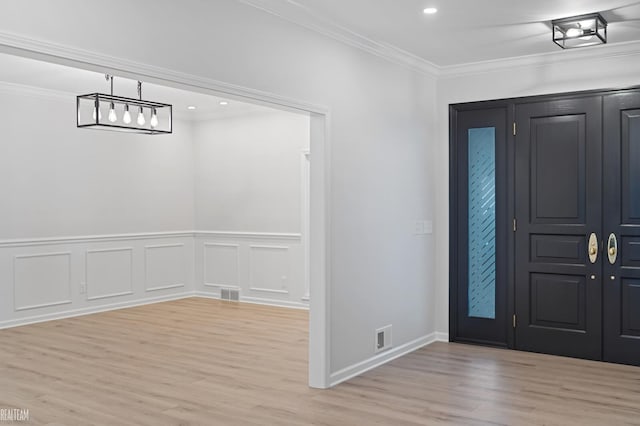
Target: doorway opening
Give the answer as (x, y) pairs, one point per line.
(172, 264)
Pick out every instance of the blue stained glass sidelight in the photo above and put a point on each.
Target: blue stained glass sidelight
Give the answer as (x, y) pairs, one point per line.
(482, 222)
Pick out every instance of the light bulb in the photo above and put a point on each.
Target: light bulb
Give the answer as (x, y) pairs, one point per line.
(126, 118)
(141, 119)
(112, 113)
(154, 118)
(99, 114)
(574, 32)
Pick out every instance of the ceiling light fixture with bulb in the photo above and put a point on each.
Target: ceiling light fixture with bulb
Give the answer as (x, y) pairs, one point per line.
(579, 31)
(89, 114)
(429, 10)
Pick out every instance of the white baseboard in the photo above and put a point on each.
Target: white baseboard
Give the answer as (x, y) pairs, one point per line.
(442, 336)
(259, 301)
(92, 310)
(379, 359)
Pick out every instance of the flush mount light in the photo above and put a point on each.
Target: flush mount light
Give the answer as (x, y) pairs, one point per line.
(579, 31)
(89, 114)
(224, 103)
(430, 10)
(191, 107)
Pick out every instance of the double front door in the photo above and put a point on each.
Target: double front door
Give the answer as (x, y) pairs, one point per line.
(572, 262)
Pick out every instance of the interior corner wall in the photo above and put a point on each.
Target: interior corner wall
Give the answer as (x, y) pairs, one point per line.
(248, 205)
(248, 174)
(507, 79)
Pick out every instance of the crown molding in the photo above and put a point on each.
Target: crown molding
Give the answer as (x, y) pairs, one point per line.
(20, 45)
(303, 16)
(590, 54)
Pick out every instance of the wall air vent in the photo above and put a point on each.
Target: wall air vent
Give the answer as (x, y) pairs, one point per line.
(230, 294)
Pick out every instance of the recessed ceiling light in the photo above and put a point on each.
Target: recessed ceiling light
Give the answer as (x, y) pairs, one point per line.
(191, 107)
(224, 103)
(430, 10)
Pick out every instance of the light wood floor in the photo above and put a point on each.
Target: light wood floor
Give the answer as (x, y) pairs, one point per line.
(204, 362)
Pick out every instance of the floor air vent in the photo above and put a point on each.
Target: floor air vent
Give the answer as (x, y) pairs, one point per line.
(230, 294)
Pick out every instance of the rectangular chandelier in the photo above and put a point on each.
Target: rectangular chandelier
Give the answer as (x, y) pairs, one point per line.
(579, 31)
(109, 112)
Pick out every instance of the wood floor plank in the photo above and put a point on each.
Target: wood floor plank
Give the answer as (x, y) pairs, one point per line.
(206, 362)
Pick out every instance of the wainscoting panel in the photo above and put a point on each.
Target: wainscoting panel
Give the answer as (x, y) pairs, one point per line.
(109, 273)
(41, 280)
(221, 265)
(269, 269)
(165, 266)
(266, 268)
(50, 278)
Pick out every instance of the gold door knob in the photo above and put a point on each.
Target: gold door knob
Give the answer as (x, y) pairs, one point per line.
(592, 251)
(612, 251)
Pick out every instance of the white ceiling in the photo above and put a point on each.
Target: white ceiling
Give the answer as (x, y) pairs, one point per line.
(22, 71)
(463, 31)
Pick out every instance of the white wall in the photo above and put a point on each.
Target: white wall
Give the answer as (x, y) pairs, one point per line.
(381, 125)
(247, 172)
(57, 180)
(248, 197)
(563, 72)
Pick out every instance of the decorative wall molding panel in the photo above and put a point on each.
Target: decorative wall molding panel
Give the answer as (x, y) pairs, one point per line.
(267, 268)
(109, 273)
(165, 266)
(221, 265)
(51, 278)
(41, 280)
(44, 279)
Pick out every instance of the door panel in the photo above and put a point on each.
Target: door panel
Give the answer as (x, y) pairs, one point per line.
(558, 205)
(621, 290)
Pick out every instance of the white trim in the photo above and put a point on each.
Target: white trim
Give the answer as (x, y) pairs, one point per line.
(235, 235)
(20, 45)
(164, 287)
(26, 242)
(258, 301)
(592, 55)
(232, 287)
(300, 15)
(271, 302)
(91, 310)
(320, 248)
(442, 336)
(108, 296)
(268, 290)
(305, 168)
(382, 358)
